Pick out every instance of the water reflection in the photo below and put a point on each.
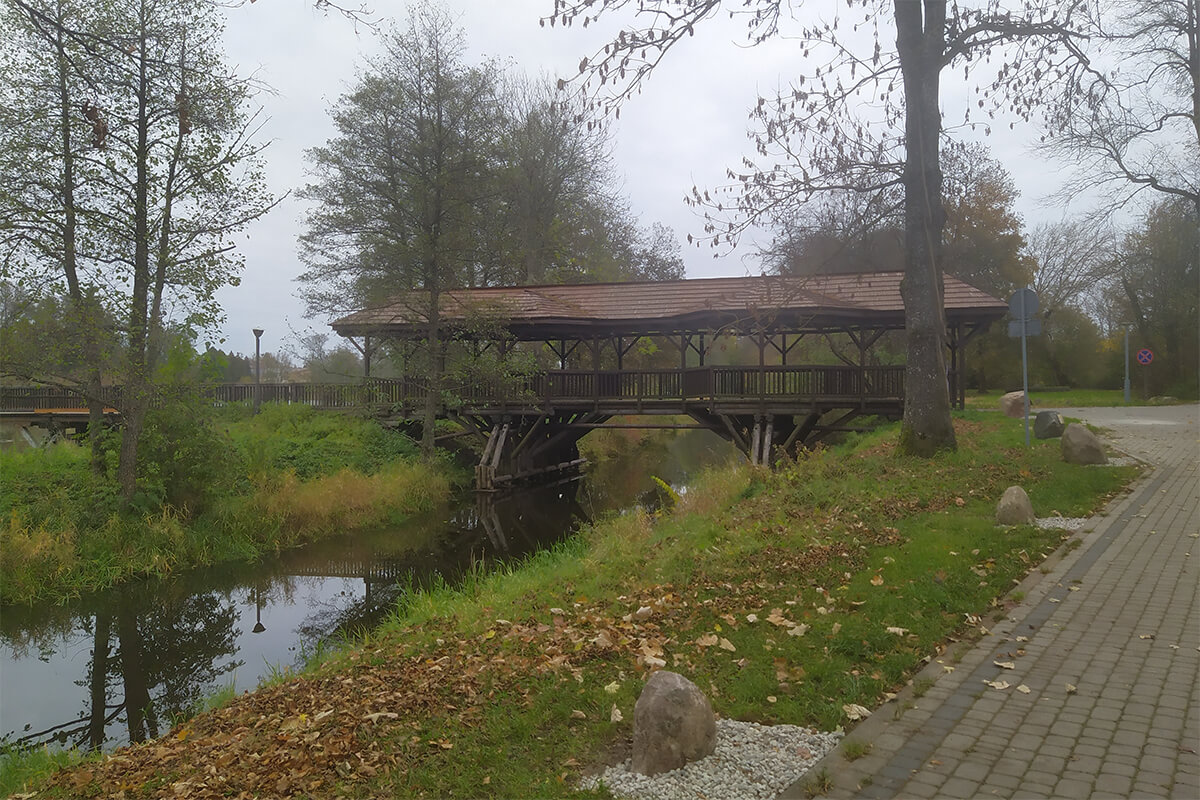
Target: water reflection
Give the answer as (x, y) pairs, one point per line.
(118, 667)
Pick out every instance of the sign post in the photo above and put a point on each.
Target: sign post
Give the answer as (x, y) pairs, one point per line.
(1023, 305)
(1145, 357)
(1127, 366)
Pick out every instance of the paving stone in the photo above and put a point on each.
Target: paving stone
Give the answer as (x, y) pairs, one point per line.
(1118, 734)
(1072, 789)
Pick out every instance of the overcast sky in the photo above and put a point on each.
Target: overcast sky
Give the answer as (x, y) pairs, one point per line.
(685, 128)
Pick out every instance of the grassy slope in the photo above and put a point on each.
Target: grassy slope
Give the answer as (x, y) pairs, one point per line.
(288, 476)
(783, 595)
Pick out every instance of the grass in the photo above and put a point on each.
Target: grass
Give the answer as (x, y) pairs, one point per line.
(21, 768)
(1069, 398)
(264, 483)
(854, 749)
(827, 582)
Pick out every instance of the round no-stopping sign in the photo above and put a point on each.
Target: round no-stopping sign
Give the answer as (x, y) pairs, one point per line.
(1145, 355)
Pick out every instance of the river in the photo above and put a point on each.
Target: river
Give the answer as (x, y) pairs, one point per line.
(119, 666)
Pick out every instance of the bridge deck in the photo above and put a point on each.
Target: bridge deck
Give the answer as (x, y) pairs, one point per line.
(731, 390)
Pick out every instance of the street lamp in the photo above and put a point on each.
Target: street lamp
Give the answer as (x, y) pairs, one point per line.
(258, 626)
(258, 332)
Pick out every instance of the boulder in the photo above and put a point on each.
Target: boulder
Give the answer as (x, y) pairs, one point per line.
(1014, 508)
(1048, 424)
(1081, 446)
(673, 724)
(1013, 404)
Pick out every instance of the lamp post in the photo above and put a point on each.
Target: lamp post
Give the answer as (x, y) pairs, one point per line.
(258, 626)
(258, 332)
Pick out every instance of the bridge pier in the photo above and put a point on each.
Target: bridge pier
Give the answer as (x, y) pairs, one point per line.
(520, 446)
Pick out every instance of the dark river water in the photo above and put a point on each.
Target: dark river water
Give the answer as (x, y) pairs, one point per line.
(119, 666)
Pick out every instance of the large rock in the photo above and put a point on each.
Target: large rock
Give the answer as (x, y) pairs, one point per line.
(673, 724)
(1048, 424)
(1013, 404)
(1081, 446)
(1014, 508)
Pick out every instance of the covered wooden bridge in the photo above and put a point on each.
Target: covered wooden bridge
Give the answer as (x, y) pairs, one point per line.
(532, 423)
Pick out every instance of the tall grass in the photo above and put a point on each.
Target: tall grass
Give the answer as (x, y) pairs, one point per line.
(287, 476)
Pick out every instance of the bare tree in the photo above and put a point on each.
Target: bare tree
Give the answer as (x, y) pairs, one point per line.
(401, 192)
(866, 116)
(1134, 125)
(168, 174)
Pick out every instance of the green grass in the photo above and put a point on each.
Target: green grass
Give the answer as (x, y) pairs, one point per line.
(1070, 398)
(850, 543)
(259, 484)
(854, 749)
(784, 595)
(22, 768)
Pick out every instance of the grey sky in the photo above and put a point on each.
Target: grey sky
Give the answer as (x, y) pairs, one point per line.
(685, 128)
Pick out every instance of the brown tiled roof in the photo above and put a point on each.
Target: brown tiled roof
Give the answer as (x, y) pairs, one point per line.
(794, 303)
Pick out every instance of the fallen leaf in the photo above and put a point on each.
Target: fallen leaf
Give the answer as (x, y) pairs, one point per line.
(616, 715)
(378, 715)
(752, 618)
(798, 630)
(612, 688)
(1023, 689)
(877, 580)
(577, 714)
(837, 626)
(651, 661)
(897, 631)
(1005, 664)
(707, 640)
(1022, 638)
(1071, 688)
(854, 711)
(728, 645)
(1146, 636)
(1001, 685)
(771, 698)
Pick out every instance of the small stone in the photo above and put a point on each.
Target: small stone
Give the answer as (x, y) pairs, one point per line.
(673, 724)
(1081, 446)
(1015, 508)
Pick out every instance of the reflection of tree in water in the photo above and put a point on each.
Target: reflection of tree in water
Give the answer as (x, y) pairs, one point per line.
(494, 529)
(151, 660)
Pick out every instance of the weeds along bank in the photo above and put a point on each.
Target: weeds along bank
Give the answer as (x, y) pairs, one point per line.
(214, 486)
(786, 596)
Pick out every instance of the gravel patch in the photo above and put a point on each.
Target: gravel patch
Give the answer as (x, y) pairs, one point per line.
(751, 761)
(1122, 461)
(1063, 523)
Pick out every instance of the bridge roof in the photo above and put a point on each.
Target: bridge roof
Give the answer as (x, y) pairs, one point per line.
(791, 304)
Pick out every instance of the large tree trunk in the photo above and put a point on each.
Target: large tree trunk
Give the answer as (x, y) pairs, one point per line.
(927, 427)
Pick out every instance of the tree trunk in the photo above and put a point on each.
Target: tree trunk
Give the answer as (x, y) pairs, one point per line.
(927, 427)
(137, 382)
(433, 393)
(85, 306)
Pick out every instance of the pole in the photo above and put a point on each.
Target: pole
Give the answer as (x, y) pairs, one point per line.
(258, 332)
(1126, 365)
(1024, 368)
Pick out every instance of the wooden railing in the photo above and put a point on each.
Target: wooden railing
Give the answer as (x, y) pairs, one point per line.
(694, 384)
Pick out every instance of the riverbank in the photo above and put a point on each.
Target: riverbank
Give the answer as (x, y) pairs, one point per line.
(216, 488)
(788, 596)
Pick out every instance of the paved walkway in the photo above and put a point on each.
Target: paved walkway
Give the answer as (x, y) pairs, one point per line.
(1118, 619)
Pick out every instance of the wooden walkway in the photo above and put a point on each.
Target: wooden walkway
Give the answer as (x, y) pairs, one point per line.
(532, 425)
